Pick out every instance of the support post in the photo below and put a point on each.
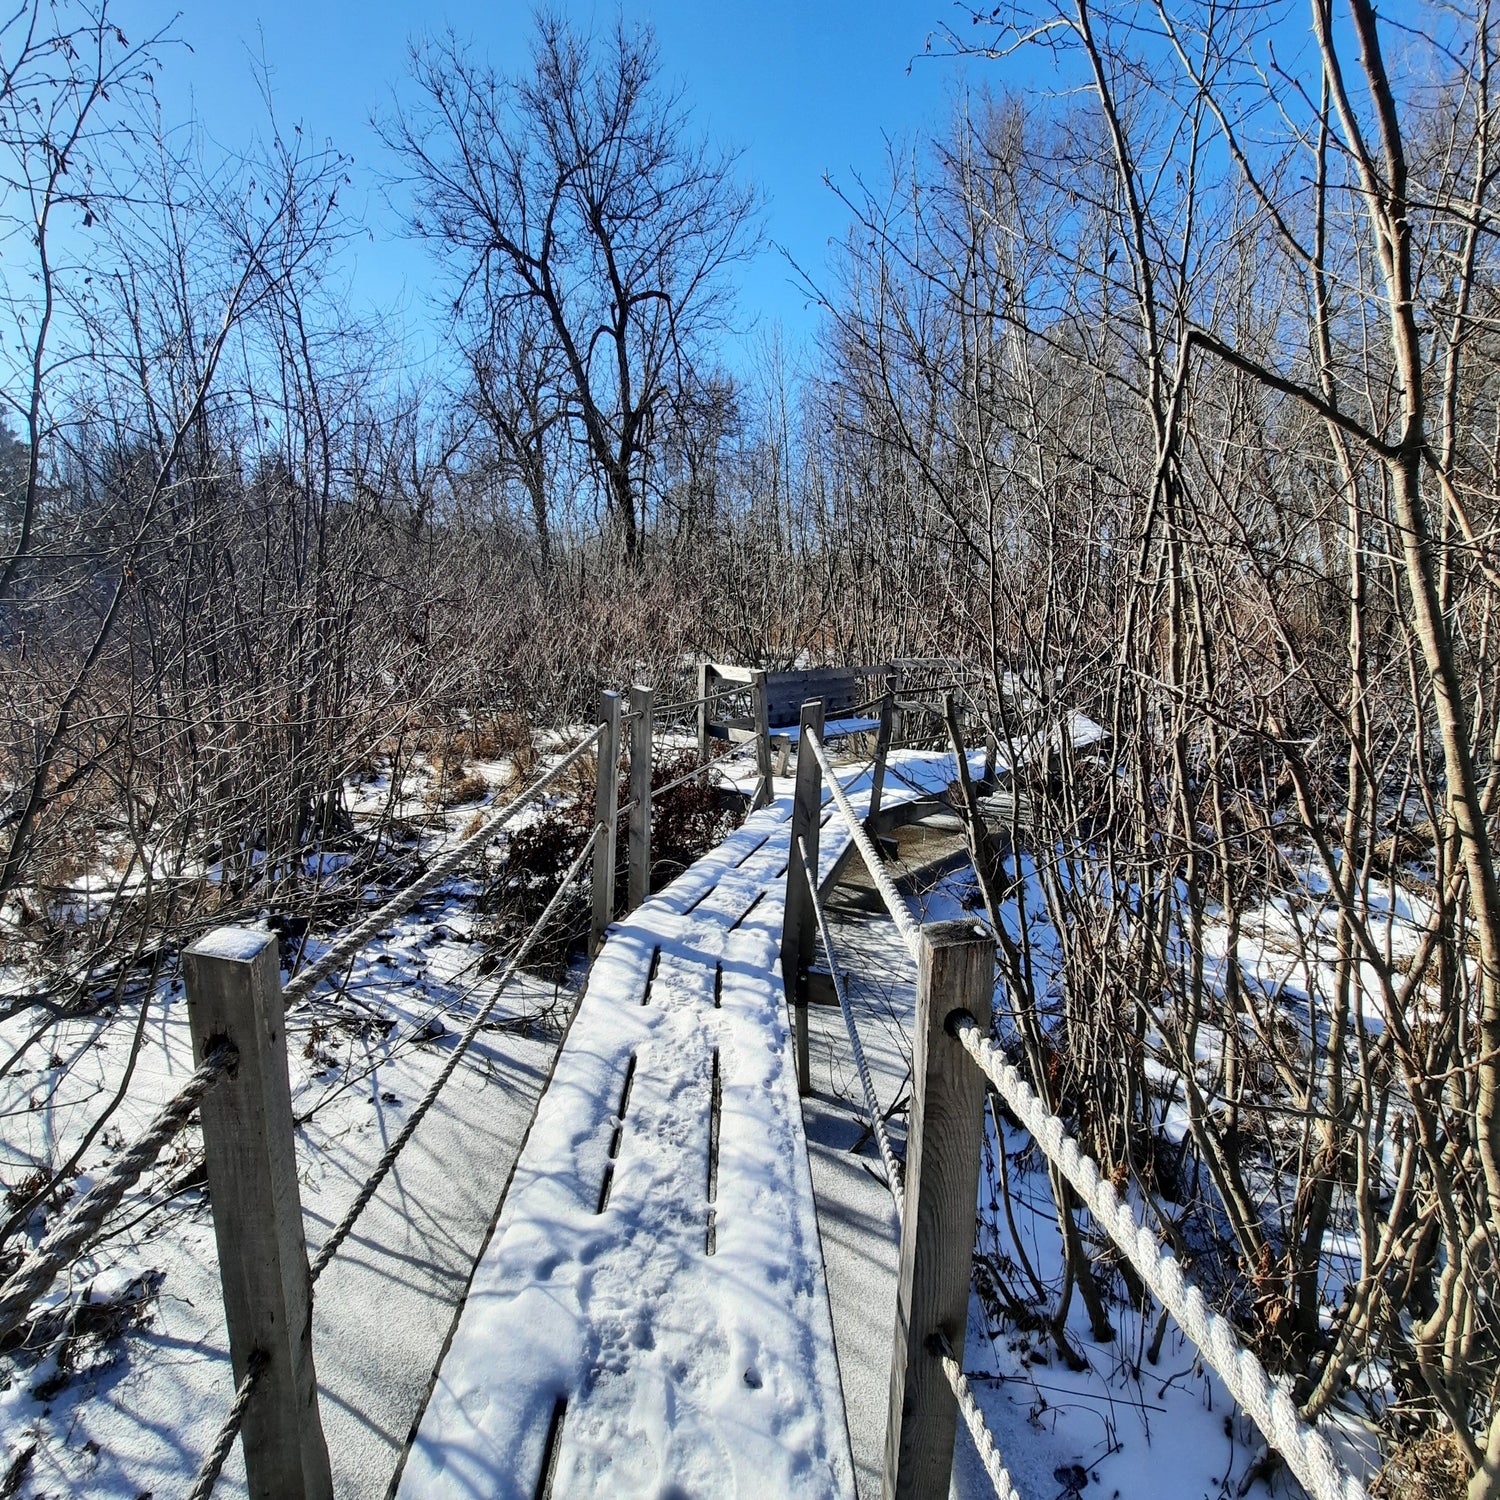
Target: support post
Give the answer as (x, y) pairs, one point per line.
(955, 971)
(798, 930)
(882, 749)
(765, 792)
(640, 794)
(606, 817)
(705, 674)
(898, 715)
(234, 992)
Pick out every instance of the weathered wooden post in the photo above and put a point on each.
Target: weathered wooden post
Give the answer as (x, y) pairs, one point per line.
(641, 727)
(955, 972)
(882, 748)
(606, 815)
(798, 930)
(234, 993)
(705, 672)
(765, 792)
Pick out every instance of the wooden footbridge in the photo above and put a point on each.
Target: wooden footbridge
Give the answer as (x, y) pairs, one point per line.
(650, 1314)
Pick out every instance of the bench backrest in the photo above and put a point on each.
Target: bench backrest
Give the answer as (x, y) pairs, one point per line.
(840, 688)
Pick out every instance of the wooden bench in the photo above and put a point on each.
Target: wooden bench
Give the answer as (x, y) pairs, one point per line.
(728, 711)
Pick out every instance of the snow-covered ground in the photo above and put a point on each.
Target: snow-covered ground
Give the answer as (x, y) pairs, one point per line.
(1166, 1434)
(667, 1305)
(130, 1408)
(1124, 1426)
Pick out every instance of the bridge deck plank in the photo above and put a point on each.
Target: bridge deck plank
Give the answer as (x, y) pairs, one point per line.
(682, 1371)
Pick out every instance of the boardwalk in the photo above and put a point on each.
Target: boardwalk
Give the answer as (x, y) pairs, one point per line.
(651, 1314)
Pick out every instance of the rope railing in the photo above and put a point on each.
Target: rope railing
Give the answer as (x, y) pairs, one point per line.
(348, 946)
(662, 710)
(708, 765)
(388, 1159)
(979, 1430)
(1305, 1450)
(900, 915)
(217, 1455)
(83, 1220)
(893, 1175)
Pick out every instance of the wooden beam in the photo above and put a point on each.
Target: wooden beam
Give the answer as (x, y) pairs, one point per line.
(641, 726)
(955, 972)
(798, 931)
(821, 989)
(882, 749)
(234, 993)
(705, 678)
(898, 711)
(765, 792)
(606, 816)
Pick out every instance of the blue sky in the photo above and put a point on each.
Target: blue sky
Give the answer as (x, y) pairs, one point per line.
(802, 89)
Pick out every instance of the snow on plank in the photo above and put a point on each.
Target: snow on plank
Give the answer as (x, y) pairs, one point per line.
(650, 1316)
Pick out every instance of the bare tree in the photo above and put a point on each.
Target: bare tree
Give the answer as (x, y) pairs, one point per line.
(516, 373)
(69, 79)
(1209, 453)
(578, 191)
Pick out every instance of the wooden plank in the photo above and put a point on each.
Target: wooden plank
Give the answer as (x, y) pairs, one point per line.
(765, 791)
(639, 882)
(820, 987)
(882, 750)
(706, 675)
(234, 991)
(955, 971)
(840, 689)
(798, 926)
(606, 814)
(726, 673)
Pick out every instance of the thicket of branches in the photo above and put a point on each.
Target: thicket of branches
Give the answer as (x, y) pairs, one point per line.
(1174, 389)
(1192, 367)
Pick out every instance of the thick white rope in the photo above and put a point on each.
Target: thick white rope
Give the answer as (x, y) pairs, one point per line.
(1305, 1450)
(339, 953)
(900, 915)
(894, 1178)
(984, 1439)
(82, 1222)
(388, 1160)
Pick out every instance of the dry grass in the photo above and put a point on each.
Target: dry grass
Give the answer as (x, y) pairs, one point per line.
(1428, 1467)
(499, 736)
(467, 786)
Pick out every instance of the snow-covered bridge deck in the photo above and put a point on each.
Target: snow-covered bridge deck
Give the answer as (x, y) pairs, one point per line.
(650, 1315)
